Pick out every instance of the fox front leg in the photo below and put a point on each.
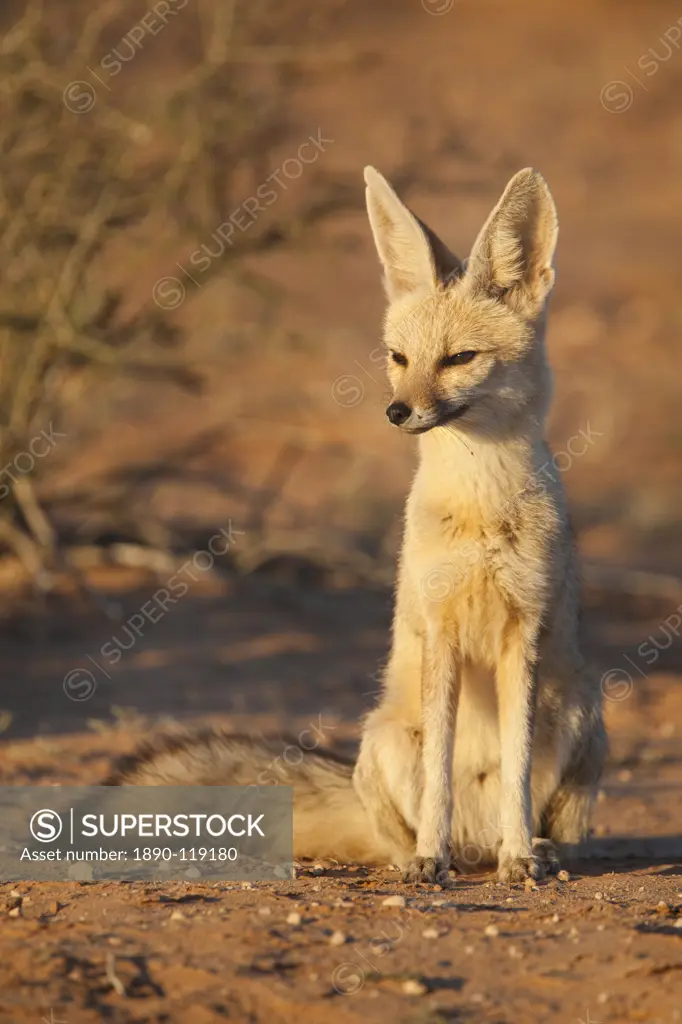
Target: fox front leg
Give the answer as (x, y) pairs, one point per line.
(516, 685)
(439, 698)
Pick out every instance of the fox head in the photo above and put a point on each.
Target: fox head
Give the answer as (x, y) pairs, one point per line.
(465, 339)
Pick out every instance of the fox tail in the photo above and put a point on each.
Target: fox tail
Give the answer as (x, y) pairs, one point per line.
(329, 819)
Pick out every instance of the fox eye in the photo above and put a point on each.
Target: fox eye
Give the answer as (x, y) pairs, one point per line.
(458, 359)
(399, 358)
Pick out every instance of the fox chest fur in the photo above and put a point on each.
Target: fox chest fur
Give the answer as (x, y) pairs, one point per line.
(475, 573)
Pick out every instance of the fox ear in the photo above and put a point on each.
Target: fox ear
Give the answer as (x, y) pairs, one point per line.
(512, 256)
(413, 256)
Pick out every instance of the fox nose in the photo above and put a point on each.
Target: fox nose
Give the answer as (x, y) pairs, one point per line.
(398, 412)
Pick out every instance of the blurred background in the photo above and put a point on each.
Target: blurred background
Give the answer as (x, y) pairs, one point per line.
(190, 327)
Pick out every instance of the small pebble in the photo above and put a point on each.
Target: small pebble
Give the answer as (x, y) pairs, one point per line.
(555, 919)
(602, 998)
(431, 933)
(491, 930)
(599, 895)
(678, 923)
(515, 953)
(662, 907)
(530, 884)
(264, 911)
(469, 950)
(177, 915)
(393, 901)
(477, 997)
(411, 987)
(294, 918)
(563, 876)
(337, 939)
(15, 912)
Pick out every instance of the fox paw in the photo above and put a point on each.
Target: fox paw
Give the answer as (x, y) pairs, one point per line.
(546, 851)
(518, 869)
(426, 869)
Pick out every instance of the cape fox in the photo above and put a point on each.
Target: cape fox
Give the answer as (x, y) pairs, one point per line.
(488, 742)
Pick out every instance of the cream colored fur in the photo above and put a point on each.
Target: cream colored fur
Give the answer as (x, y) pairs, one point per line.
(489, 732)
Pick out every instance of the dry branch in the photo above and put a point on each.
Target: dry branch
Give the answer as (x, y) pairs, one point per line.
(74, 180)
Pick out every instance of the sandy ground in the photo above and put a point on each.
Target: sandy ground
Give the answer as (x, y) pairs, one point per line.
(602, 946)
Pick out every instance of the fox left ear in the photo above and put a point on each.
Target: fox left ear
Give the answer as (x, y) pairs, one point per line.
(512, 256)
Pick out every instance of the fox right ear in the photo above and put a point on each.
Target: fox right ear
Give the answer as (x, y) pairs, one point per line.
(413, 257)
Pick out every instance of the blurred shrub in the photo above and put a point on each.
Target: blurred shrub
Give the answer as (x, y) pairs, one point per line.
(86, 157)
